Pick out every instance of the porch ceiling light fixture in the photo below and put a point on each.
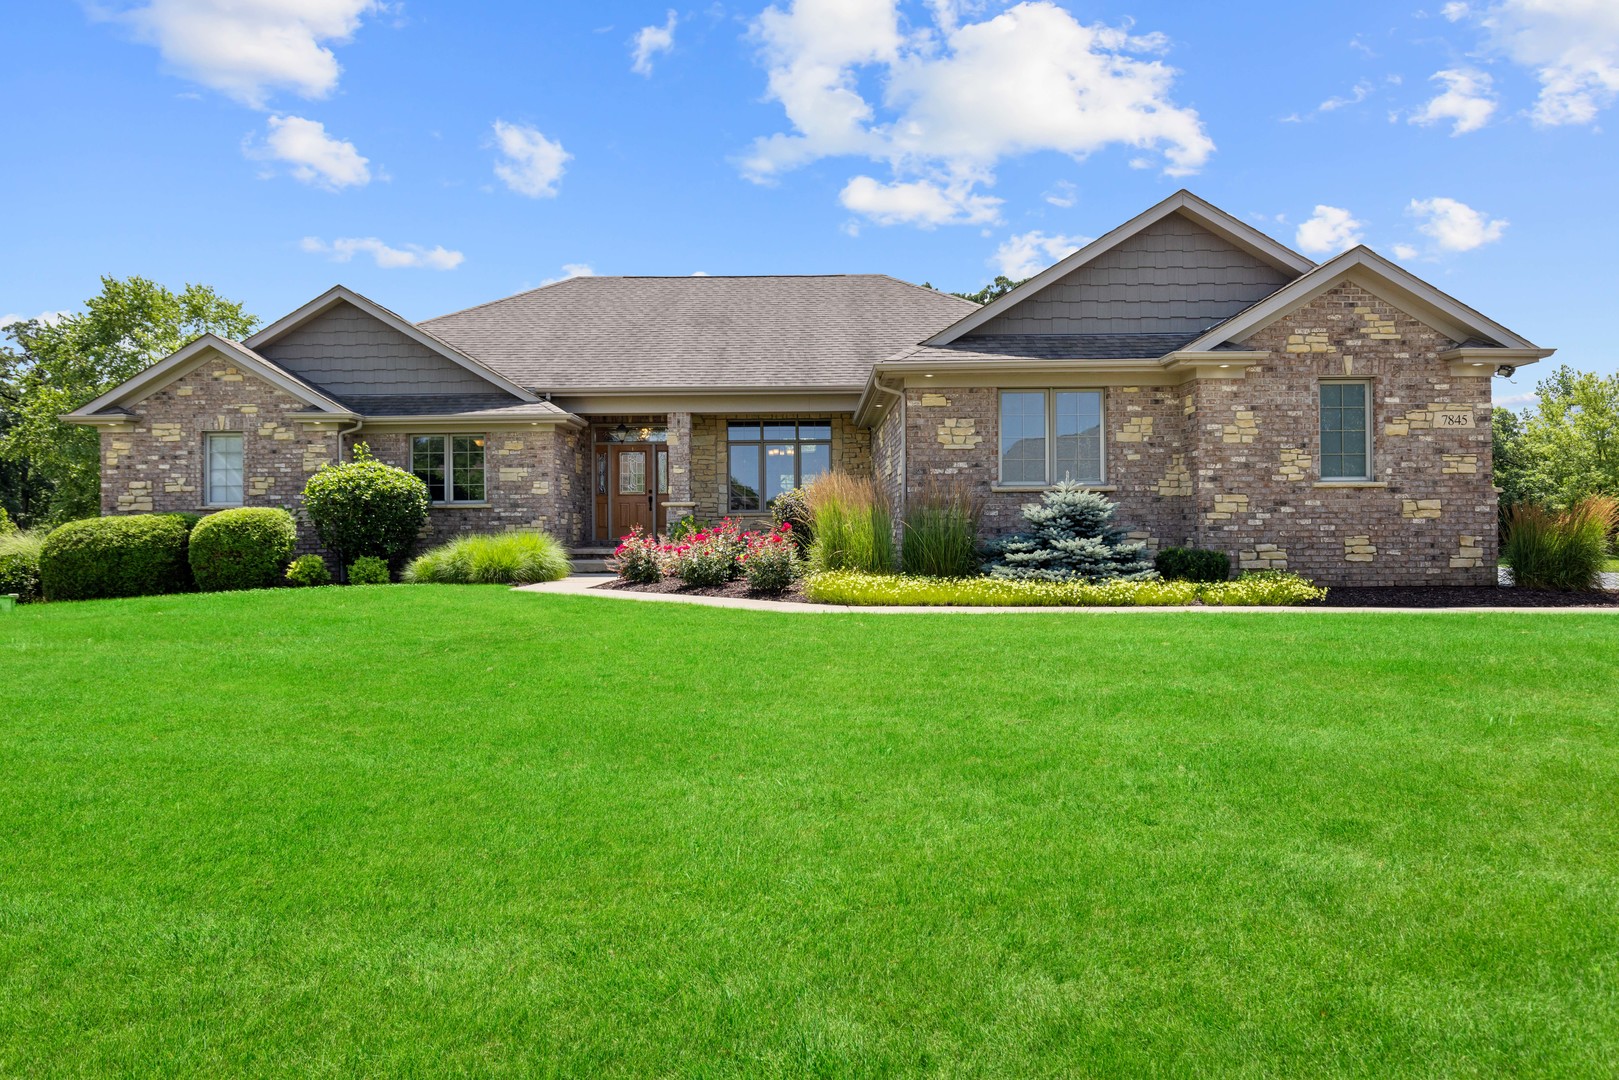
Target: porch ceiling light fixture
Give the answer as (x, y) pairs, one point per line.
(621, 433)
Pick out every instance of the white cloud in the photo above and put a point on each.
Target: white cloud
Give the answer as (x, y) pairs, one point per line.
(49, 318)
(411, 256)
(316, 157)
(1455, 226)
(1405, 251)
(1063, 193)
(1356, 95)
(248, 49)
(1329, 230)
(570, 270)
(1027, 254)
(958, 96)
(532, 165)
(1468, 101)
(919, 202)
(651, 40)
(1455, 11)
(1572, 46)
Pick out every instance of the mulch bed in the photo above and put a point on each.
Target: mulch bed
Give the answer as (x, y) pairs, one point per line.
(1428, 596)
(736, 589)
(1392, 597)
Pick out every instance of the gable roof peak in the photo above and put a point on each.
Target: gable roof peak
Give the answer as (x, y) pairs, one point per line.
(1183, 202)
(339, 294)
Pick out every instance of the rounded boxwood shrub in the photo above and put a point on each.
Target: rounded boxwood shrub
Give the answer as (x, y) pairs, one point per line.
(1193, 564)
(368, 570)
(99, 558)
(19, 564)
(309, 570)
(244, 548)
(365, 508)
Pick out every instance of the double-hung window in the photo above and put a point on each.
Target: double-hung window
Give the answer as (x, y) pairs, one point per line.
(450, 465)
(223, 468)
(1346, 430)
(769, 457)
(1051, 435)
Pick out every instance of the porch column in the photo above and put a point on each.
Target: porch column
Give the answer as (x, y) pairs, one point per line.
(680, 502)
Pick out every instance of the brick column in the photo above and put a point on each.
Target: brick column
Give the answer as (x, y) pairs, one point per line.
(680, 502)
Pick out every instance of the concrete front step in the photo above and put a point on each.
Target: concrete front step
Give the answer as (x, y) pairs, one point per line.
(591, 559)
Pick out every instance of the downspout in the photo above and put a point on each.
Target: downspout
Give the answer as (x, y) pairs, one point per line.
(358, 424)
(899, 397)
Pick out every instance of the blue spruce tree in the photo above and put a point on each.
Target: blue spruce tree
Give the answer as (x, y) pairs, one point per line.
(1070, 538)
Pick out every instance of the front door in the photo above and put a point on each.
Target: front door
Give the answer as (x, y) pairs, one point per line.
(630, 471)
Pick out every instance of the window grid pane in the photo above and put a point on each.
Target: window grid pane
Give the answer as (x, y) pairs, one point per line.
(467, 466)
(1077, 450)
(225, 470)
(1023, 437)
(1343, 431)
(427, 462)
(768, 458)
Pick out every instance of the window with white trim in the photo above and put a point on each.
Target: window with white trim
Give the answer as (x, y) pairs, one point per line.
(223, 468)
(452, 467)
(1346, 430)
(1051, 435)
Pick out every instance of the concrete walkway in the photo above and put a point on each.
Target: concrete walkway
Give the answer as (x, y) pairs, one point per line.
(585, 585)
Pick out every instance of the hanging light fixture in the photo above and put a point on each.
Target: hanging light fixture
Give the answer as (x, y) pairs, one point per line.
(621, 432)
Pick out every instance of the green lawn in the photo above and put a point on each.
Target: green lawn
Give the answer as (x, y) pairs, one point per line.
(439, 830)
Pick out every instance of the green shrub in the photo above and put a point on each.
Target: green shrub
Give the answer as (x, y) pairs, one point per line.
(639, 557)
(1071, 537)
(792, 508)
(369, 570)
(852, 524)
(97, 558)
(770, 561)
(1193, 564)
(508, 558)
(363, 507)
(244, 548)
(896, 590)
(7, 526)
(939, 535)
(309, 570)
(687, 526)
(1564, 551)
(708, 558)
(19, 564)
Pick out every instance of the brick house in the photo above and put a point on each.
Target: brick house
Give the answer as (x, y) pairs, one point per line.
(1224, 390)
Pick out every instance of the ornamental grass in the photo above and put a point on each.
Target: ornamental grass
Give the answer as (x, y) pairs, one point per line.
(1562, 551)
(854, 529)
(519, 557)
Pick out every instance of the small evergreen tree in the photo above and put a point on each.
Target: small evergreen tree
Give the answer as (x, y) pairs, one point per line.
(1070, 538)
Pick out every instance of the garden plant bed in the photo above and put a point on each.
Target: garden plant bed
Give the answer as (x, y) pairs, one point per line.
(736, 590)
(1415, 596)
(1424, 596)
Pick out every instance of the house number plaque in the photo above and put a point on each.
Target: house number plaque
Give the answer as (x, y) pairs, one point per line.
(1462, 418)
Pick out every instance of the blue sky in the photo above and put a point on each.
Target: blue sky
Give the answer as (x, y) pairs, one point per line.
(435, 155)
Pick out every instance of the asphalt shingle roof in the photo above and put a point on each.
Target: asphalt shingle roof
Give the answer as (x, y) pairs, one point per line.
(446, 404)
(1050, 347)
(788, 332)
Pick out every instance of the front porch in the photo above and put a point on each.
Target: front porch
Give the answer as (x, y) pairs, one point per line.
(649, 470)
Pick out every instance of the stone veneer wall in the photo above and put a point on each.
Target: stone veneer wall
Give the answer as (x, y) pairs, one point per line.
(154, 462)
(952, 433)
(536, 478)
(1233, 464)
(710, 465)
(1258, 493)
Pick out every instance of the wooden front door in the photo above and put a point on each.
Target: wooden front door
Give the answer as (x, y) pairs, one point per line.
(630, 474)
